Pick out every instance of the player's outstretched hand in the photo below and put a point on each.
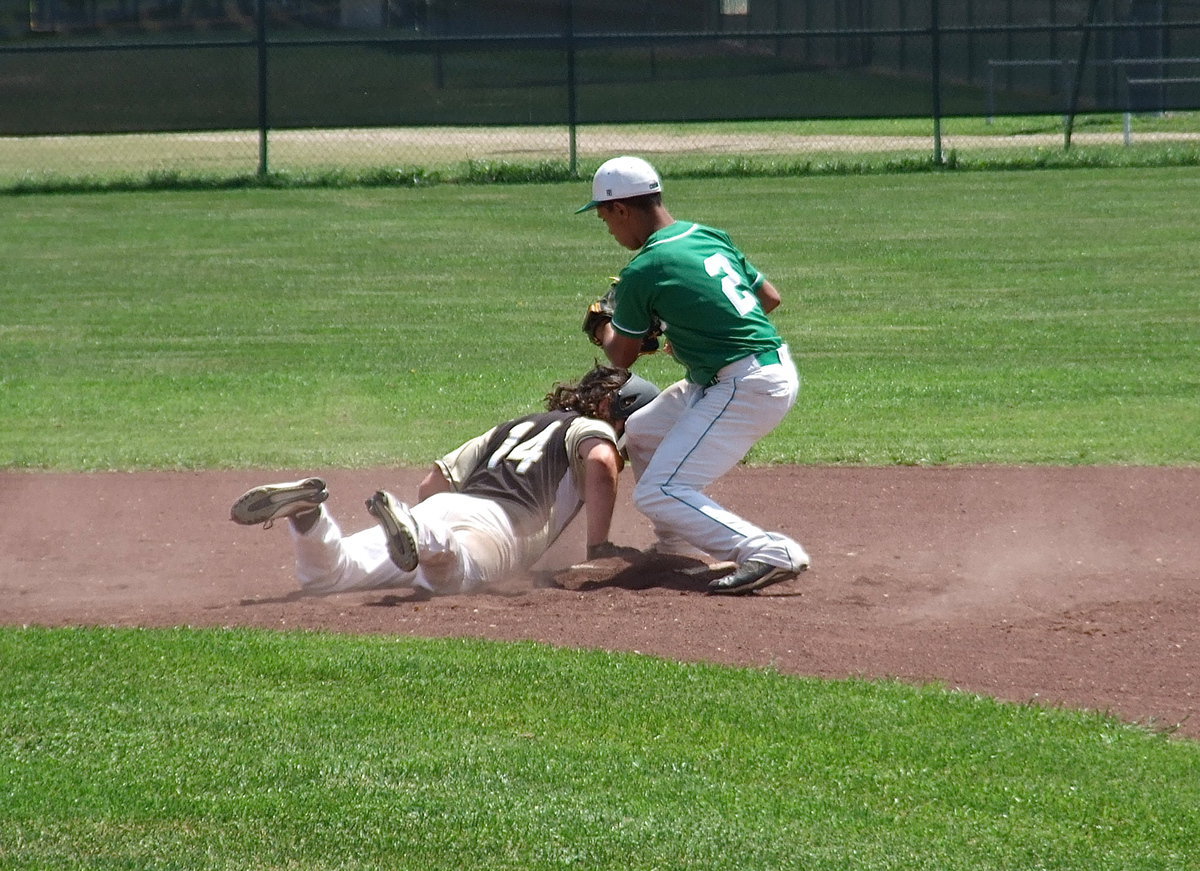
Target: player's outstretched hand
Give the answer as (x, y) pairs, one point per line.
(608, 550)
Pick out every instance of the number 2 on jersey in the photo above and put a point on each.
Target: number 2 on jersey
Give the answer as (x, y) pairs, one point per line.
(742, 297)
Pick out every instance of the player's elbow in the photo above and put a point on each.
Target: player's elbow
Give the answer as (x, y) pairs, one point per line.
(622, 351)
(604, 469)
(768, 297)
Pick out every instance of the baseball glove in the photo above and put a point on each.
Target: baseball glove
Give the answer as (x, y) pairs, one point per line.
(601, 312)
(598, 314)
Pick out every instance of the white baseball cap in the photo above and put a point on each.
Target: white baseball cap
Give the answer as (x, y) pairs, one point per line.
(622, 177)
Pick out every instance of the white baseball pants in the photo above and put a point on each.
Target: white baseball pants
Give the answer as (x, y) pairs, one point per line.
(462, 542)
(690, 436)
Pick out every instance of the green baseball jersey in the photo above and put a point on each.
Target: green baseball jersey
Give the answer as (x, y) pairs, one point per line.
(703, 290)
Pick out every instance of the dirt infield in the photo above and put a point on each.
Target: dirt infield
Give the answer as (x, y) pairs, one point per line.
(1059, 586)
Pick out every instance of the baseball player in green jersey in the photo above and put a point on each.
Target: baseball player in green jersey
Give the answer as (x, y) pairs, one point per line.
(711, 304)
(489, 508)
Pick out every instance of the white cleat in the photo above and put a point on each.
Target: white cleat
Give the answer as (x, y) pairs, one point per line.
(270, 502)
(399, 527)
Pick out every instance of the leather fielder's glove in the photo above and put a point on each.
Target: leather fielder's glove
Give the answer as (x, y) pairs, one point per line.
(601, 312)
(598, 314)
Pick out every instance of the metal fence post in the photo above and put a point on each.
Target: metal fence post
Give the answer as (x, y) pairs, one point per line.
(1073, 106)
(261, 40)
(935, 62)
(572, 97)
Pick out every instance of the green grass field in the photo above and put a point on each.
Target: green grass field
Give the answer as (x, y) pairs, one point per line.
(253, 750)
(1020, 317)
(1025, 317)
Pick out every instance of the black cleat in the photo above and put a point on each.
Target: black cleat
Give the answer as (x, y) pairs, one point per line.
(751, 575)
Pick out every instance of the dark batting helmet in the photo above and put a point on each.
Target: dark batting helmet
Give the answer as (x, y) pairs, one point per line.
(635, 394)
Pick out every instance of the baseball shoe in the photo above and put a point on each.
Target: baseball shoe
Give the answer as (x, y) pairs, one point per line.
(399, 526)
(752, 575)
(270, 502)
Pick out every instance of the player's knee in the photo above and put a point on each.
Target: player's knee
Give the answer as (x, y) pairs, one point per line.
(650, 498)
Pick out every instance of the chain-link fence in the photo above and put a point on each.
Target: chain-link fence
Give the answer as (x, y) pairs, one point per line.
(97, 87)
